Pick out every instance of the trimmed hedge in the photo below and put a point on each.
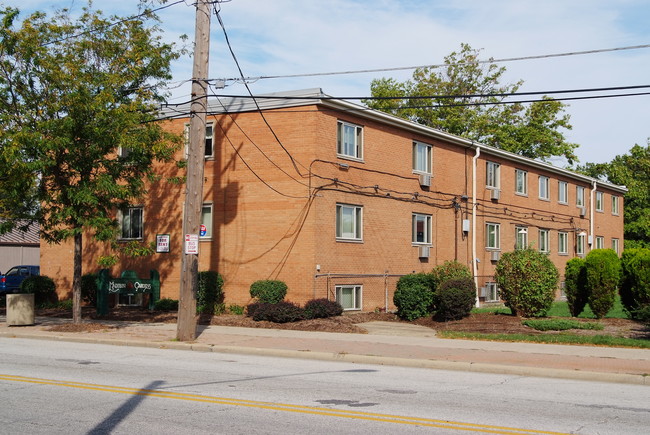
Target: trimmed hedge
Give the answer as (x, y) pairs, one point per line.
(603, 275)
(635, 282)
(575, 280)
(449, 270)
(210, 292)
(43, 288)
(456, 298)
(322, 308)
(414, 296)
(89, 289)
(268, 291)
(281, 312)
(166, 304)
(528, 280)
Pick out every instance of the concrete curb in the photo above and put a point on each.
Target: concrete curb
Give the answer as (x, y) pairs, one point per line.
(620, 378)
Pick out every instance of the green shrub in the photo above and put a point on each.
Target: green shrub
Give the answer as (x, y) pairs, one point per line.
(43, 288)
(166, 304)
(635, 281)
(89, 289)
(280, 312)
(210, 292)
(456, 298)
(322, 308)
(236, 309)
(268, 291)
(575, 280)
(527, 279)
(413, 296)
(449, 270)
(603, 275)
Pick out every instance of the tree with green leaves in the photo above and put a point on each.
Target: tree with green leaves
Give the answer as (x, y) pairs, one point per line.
(633, 171)
(466, 98)
(77, 141)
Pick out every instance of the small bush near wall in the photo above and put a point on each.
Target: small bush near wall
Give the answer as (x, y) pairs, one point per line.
(576, 291)
(268, 291)
(280, 312)
(603, 275)
(166, 304)
(635, 283)
(89, 289)
(414, 296)
(322, 308)
(43, 288)
(528, 280)
(449, 270)
(210, 292)
(456, 298)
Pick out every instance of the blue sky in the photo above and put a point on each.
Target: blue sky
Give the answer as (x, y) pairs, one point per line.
(281, 37)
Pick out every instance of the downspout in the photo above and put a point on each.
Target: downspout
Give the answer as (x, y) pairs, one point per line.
(474, 258)
(590, 237)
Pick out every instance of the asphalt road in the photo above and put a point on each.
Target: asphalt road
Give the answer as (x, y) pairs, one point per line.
(50, 387)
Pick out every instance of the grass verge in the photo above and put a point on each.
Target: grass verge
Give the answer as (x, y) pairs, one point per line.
(586, 340)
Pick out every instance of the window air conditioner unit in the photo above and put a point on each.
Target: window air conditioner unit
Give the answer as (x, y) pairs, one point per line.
(583, 211)
(423, 251)
(496, 194)
(495, 255)
(425, 180)
(483, 292)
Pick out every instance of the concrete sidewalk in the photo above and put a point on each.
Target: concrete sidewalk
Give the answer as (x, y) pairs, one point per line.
(387, 343)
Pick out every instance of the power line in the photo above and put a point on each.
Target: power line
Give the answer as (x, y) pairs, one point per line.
(405, 68)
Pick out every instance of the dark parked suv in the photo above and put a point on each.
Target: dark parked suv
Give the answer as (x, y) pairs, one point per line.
(10, 281)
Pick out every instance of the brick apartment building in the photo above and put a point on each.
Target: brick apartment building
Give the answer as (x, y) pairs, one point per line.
(339, 201)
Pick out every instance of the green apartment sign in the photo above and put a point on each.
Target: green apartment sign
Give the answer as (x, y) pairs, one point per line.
(127, 284)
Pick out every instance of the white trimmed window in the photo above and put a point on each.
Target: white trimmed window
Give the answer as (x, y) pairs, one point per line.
(580, 196)
(349, 296)
(615, 245)
(421, 228)
(521, 182)
(492, 175)
(209, 139)
(543, 240)
(614, 205)
(521, 237)
(562, 192)
(580, 244)
(422, 157)
(599, 201)
(491, 292)
(600, 242)
(492, 236)
(543, 187)
(206, 222)
(349, 222)
(131, 220)
(349, 140)
(563, 242)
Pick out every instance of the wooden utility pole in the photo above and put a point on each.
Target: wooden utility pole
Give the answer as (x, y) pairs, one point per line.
(187, 318)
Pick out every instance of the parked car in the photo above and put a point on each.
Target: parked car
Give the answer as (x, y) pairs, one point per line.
(10, 281)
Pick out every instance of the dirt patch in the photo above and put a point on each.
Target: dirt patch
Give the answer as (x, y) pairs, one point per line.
(80, 327)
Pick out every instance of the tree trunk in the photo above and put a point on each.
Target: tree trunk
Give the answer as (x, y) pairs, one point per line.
(76, 280)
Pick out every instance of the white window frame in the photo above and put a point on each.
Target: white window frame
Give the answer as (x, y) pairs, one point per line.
(521, 237)
(357, 222)
(563, 243)
(616, 245)
(419, 166)
(357, 296)
(580, 196)
(426, 220)
(580, 244)
(493, 228)
(209, 139)
(342, 150)
(615, 208)
(521, 182)
(544, 183)
(543, 240)
(491, 292)
(562, 192)
(600, 199)
(492, 175)
(207, 219)
(600, 242)
(126, 219)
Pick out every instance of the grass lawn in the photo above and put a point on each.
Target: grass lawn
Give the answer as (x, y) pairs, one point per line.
(561, 309)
